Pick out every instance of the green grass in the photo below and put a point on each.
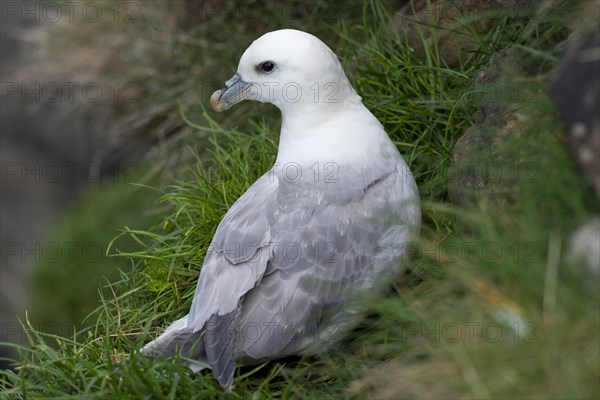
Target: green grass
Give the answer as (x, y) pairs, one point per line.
(489, 307)
(75, 258)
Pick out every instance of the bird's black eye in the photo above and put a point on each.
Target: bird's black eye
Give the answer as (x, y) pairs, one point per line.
(266, 66)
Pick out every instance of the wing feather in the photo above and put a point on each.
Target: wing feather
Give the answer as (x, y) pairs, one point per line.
(237, 256)
(310, 289)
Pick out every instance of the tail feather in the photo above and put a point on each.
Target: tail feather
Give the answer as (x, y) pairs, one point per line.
(178, 338)
(212, 347)
(219, 346)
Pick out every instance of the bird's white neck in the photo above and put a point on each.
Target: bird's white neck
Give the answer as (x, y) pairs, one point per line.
(332, 135)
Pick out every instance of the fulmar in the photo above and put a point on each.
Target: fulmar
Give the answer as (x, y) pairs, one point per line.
(331, 220)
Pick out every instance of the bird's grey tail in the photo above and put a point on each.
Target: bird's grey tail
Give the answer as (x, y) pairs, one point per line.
(178, 338)
(212, 347)
(219, 346)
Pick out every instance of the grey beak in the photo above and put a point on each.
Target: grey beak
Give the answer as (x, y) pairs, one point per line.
(235, 90)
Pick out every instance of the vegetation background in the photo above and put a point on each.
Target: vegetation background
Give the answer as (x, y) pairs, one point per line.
(493, 302)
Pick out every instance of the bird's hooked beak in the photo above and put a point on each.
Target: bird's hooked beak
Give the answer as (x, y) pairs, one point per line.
(235, 90)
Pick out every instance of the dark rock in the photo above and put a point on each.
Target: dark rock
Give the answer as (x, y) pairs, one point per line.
(479, 166)
(576, 91)
(489, 92)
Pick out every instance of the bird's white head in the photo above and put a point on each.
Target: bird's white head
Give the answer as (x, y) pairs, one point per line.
(291, 69)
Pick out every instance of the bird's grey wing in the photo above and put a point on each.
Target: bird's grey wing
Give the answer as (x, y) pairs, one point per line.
(237, 256)
(322, 256)
(234, 263)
